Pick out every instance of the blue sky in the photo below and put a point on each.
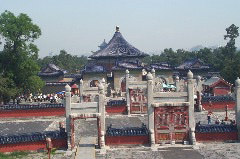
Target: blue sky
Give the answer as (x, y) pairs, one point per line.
(79, 26)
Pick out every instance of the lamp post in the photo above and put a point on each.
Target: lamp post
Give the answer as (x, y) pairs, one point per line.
(49, 146)
(226, 109)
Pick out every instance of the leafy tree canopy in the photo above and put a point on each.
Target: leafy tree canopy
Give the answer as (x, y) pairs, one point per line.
(18, 58)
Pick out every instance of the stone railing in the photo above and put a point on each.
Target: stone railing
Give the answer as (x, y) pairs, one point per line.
(30, 106)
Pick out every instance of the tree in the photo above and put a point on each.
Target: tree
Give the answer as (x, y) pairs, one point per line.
(65, 61)
(20, 54)
(232, 34)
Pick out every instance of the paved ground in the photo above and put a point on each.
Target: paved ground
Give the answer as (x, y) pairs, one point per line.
(85, 128)
(86, 148)
(23, 126)
(147, 153)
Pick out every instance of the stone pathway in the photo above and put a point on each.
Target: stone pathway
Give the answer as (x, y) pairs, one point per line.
(86, 148)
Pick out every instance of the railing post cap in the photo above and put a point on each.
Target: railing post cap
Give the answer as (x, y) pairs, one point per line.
(153, 70)
(190, 75)
(149, 76)
(198, 78)
(81, 81)
(177, 78)
(103, 80)
(67, 88)
(237, 82)
(100, 86)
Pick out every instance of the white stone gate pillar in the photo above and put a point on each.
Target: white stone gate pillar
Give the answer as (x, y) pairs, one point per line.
(237, 107)
(154, 76)
(150, 108)
(190, 85)
(127, 91)
(81, 91)
(177, 84)
(101, 109)
(199, 91)
(68, 112)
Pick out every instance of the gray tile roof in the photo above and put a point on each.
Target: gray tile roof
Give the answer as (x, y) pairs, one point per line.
(118, 47)
(190, 64)
(211, 81)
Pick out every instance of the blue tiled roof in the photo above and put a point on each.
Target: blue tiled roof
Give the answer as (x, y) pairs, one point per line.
(217, 98)
(54, 71)
(30, 106)
(189, 64)
(215, 128)
(118, 47)
(31, 137)
(123, 65)
(94, 67)
(129, 131)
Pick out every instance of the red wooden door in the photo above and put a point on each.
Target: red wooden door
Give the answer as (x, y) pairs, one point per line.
(171, 124)
(138, 101)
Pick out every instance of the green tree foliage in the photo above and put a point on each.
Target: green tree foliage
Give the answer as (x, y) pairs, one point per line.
(224, 59)
(71, 63)
(19, 55)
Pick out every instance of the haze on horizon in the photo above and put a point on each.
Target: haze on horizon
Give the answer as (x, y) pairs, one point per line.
(79, 27)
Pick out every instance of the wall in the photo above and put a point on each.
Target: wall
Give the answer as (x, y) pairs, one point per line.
(116, 109)
(219, 105)
(23, 146)
(119, 75)
(123, 140)
(167, 74)
(216, 136)
(88, 77)
(33, 112)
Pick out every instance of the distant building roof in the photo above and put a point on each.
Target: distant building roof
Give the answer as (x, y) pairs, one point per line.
(159, 66)
(118, 47)
(103, 45)
(211, 82)
(123, 65)
(193, 64)
(51, 70)
(94, 67)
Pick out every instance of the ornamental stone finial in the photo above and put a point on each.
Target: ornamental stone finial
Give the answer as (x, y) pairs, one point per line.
(190, 75)
(67, 88)
(237, 82)
(149, 76)
(81, 81)
(153, 70)
(198, 78)
(117, 28)
(127, 72)
(100, 86)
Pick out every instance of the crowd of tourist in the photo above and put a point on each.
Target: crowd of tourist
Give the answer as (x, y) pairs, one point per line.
(52, 98)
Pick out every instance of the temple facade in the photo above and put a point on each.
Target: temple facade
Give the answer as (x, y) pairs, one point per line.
(114, 58)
